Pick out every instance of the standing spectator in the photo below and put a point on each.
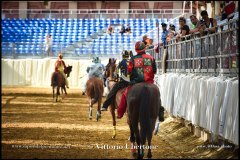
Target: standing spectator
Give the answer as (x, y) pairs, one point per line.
(49, 42)
(128, 29)
(164, 34)
(207, 22)
(195, 23)
(122, 30)
(110, 29)
(184, 30)
(171, 33)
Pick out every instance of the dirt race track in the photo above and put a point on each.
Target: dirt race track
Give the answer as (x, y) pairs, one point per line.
(34, 126)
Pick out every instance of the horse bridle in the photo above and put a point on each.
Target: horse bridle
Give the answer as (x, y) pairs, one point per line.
(113, 78)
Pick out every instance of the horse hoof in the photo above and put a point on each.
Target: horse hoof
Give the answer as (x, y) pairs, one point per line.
(90, 118)
(114, 136)
(134, 155)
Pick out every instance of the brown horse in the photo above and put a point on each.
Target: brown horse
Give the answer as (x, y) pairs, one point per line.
(58, 81)
(110, 74)
(94, 91)
(143, 104)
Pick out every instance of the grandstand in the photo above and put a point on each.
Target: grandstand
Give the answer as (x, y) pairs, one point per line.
(28, 35)
(80, 32)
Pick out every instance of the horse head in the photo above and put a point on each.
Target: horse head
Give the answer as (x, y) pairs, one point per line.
(68, 70)
(110, 69)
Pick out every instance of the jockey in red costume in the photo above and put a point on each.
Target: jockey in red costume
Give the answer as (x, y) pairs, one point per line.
(141, 68)
(60, 66)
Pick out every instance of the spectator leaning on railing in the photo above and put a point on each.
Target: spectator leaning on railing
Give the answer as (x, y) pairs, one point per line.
(171, 33)
(196, 25)
(184, 29)
(207, 22)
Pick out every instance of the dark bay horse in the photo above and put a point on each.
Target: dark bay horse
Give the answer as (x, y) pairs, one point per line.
(94, 91)
(58, 81)
(143, 104)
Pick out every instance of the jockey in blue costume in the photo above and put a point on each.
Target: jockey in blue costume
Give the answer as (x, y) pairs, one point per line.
(95, 69)
(122, 66)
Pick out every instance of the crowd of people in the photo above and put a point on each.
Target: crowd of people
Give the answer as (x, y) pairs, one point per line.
(202, 27)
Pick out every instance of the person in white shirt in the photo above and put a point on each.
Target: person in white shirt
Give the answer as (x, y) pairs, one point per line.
(49, 45)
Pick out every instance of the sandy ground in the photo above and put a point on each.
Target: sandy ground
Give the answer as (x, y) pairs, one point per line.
(34, 126)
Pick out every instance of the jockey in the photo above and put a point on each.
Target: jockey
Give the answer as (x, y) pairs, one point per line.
(60, 66)
(142, 68)
(122, 66)
(95, 69)
(119, 85)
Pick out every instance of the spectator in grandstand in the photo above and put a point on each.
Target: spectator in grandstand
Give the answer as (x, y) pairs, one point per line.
(48, 42)
(164, 34)
(144, 39)
(195, 24)
(128, 29)
(110, 29)
(122, 30)
(184, 29)
(207, 22)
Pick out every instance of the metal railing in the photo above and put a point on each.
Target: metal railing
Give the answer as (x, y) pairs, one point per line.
(211, 53)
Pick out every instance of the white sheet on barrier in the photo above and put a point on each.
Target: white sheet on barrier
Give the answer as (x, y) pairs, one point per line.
(28, 71)
(4, 72)
(235, 126)
(195, 103)
(22, 70)
(176, 94)
(211, 83)
(204, 101)
(218, 102)
(229, 119)
(10, 72)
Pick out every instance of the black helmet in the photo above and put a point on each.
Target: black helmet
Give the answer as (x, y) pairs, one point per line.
(125, 54)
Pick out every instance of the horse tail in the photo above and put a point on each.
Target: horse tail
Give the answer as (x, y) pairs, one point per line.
(144, 113)
(96, 93)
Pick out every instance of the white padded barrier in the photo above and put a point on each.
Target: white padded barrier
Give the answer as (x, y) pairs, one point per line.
(37, 72)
